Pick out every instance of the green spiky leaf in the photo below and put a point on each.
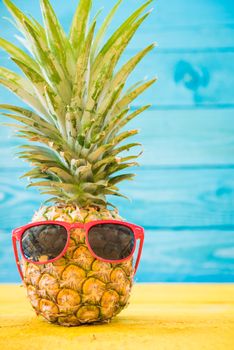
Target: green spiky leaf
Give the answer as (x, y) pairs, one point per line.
(79, 104)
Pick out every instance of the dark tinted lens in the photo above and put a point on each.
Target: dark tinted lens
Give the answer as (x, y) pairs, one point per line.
(111, 241)
(43, 242)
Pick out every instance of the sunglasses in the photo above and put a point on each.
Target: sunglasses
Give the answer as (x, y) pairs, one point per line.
(107, 240)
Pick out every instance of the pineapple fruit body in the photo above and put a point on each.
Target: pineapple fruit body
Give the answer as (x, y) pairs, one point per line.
(77, 288)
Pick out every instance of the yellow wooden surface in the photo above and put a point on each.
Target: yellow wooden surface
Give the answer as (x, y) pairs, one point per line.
(160, 317)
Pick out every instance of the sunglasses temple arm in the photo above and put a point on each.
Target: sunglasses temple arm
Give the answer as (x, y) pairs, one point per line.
(139, 254)
(17, 257)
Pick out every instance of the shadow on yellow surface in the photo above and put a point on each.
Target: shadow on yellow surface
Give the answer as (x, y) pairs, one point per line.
(160, 316)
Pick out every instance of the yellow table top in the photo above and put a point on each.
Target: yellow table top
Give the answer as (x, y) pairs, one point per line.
(160, 316)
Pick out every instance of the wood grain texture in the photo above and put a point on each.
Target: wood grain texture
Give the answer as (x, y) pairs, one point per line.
(171, 198)
(168, 255)
(201, 256)
(180, 198)
(184, 191)
(170, 138)
(192, 69)
(174, 25)
(184, 79)
(167, 317)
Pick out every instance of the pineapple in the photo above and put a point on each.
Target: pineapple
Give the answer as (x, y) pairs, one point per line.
(78, 106)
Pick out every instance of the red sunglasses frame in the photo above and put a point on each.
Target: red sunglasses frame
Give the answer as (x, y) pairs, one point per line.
(17, 234)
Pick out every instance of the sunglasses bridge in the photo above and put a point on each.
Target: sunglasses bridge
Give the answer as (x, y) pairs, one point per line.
(77, 225)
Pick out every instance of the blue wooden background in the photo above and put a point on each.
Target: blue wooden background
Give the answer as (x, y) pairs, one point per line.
(184, 190)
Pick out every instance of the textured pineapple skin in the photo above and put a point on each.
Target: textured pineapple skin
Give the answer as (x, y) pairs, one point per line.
(78, 289)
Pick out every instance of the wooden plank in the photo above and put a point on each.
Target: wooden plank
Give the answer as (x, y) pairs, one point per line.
(180, 198)
(185, 80)
(170, 138)
(187, 256)
(164, 199)
(167, 317)
(187, 138)
(168, 256)
(200, 24)
(179, 13)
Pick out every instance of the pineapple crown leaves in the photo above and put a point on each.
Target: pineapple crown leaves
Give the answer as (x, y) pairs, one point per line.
(78, 104)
